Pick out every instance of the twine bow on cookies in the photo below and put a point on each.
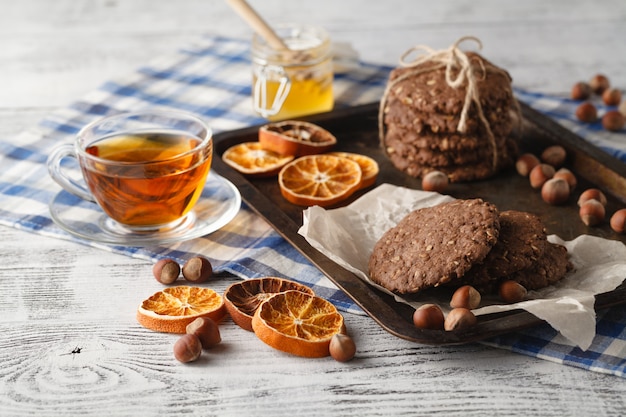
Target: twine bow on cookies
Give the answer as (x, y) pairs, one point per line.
(460, 70)
(454, 60)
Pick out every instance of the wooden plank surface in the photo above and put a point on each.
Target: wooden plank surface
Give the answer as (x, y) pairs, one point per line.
(69, 343)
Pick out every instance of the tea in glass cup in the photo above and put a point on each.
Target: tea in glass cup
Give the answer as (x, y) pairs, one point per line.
(146, 170)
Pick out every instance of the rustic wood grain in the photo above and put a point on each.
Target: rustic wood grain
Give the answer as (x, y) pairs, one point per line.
(69, 342)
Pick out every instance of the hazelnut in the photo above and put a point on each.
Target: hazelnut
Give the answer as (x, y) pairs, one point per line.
(555, 191)
(592, 212)
(581, 91)
(554, 155)
(587, 112)
(206, 330)
(540, 174)
(188, 348)
(525, 163)
(435, 181)
(197, 269)
(465, 297)
(599, 83)
(459, 318)
(613, 120)
(428, 316)
(512, 292)
(612, 96)
(592, 194)
(342, 348)
(166, 271)
(618, 221)
(568, 176)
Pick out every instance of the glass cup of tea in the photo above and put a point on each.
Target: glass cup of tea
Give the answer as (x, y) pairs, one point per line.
(146, 170)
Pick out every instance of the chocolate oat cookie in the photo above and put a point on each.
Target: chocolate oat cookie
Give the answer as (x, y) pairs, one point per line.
(409, 118)
(456, 173)
(437, 158)
(428, 91)
(443, 141)
(435, 245)
(521, 243)
(549, 268)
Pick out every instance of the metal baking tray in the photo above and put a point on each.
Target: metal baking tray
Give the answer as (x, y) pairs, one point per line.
(356, 129)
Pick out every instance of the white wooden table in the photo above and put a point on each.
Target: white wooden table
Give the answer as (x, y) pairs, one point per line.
(69, 342)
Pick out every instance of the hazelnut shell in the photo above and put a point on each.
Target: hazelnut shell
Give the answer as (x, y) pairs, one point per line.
(554, 155)
(599, 83)
(613, 120)
(592, 194)
(428, 316)
(166, 271)
(435, 181)
(587, 112)
(465, 297)
(540, 174)
(206, 330)
(592, 212)
(197, 270)
(342, 348)
(618, 221)
(188, 348)
(459, 318)
(555, 191)
(525, 163)
(512, 292)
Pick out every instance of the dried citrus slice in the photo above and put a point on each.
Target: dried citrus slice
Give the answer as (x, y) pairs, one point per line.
(321, 180)
(172, 309)
(297, 323)
(296, 138)
(369, 167)
(251, 159)
(243, 298)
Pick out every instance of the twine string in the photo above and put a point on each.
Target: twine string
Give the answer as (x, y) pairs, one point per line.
(459, 70)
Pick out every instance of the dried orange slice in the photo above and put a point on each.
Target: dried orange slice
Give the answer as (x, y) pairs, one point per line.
(369, 167)
(172, 309)
(321, 180)
(297, 323)
(250, 158)
(296, 138)
(243, 298)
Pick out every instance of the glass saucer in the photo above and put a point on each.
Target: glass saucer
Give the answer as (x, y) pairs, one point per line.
(219, 203)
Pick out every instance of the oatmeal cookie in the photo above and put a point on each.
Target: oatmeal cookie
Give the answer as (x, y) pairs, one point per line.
(435, 245)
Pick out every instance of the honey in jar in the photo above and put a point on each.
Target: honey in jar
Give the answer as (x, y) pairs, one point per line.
(293, 82)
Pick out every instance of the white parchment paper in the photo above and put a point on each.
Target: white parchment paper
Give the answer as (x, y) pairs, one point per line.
(347, 235)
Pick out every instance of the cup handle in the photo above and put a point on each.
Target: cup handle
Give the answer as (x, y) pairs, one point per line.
(60, 177)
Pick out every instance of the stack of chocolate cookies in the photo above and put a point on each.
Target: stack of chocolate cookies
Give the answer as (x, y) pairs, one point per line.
(426, 128)
(466, 242)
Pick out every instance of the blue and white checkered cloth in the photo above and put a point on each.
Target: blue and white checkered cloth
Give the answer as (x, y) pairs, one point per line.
(211, 78)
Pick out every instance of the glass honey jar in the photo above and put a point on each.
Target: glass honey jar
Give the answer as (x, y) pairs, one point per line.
(292, 82)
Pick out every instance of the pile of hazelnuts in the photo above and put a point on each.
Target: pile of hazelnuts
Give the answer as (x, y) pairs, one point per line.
(612, 120)
(546, 173)
(201, 334)
(464, 299)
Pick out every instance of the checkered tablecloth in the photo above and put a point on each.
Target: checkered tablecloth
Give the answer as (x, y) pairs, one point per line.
(211, 78)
